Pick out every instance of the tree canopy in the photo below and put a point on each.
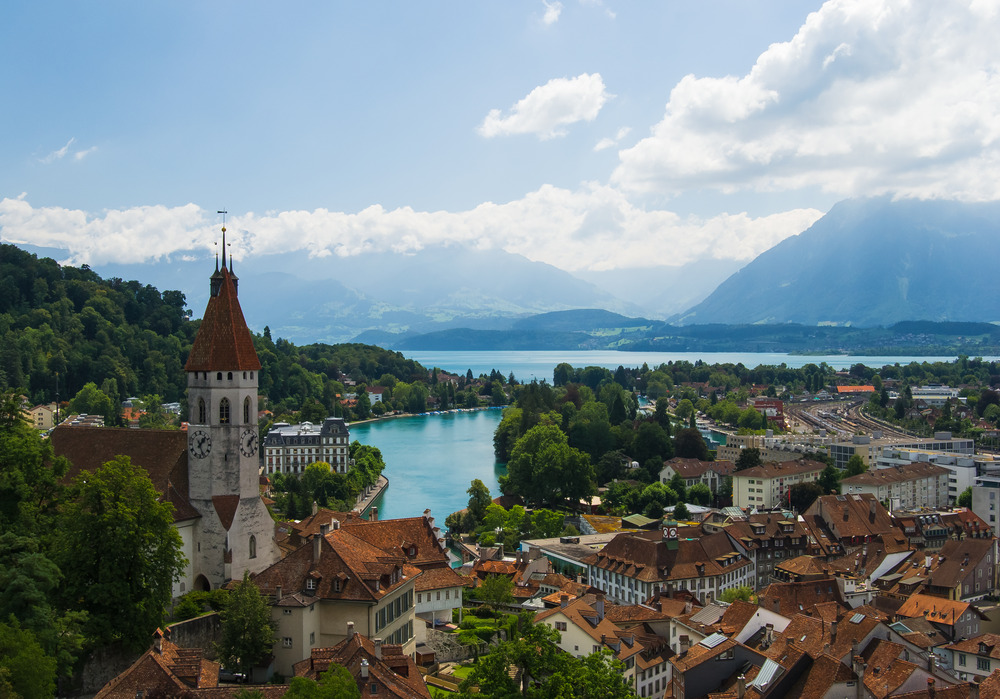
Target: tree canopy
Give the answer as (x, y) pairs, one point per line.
(247, 627)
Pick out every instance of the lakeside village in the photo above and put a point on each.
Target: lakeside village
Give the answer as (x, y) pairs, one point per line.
(820, 551)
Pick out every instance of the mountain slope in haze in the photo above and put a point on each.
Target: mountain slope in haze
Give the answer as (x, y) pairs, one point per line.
(335, 299)
(871, 262)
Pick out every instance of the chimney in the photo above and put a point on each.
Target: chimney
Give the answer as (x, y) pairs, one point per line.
(846, 513)
(334, 523)
(158, 641)
(364, 669)
(315, 507)
(769, 633)
(741, 686)
(931, 690)
(687, 607)
(500, 551)
(670, 591)
(684, 643)
(373, 515)
(599, 606)
(277, 593)
(833, 630)
(350, 629)
(563, 600)
(378, 648)
(317, 540)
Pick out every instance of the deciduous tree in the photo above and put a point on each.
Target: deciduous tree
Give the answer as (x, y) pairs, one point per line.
(247, 628)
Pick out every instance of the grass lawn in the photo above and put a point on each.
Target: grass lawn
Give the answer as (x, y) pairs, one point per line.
(461, 671)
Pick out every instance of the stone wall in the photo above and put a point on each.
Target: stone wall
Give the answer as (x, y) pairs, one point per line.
(201, 632)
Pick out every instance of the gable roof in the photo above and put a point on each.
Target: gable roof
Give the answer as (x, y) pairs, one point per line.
(165, 668)
(223, 341)
(394, 673)
(644, 556)
(935, 609)
(161, 453)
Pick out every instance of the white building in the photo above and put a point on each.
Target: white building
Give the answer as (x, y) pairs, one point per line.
(767, 486)
(907, 486)
(290, 448)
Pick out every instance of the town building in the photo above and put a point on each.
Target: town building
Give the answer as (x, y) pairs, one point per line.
(380, 670)
(635, 566)
(336, 583)
(975, 658)
(694, 471)
(963, 468)
(986, 501)
(769, 540)
(42, 417)
(909, 486)
(766, 487)
(290, 448)
(869, 447)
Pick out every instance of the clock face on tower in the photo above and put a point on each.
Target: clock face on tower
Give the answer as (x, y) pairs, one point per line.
(248, 442)
(199, 444)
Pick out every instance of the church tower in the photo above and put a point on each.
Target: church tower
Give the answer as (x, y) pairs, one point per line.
(235, 531)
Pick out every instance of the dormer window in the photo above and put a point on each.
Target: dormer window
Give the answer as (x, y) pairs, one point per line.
(310, 584)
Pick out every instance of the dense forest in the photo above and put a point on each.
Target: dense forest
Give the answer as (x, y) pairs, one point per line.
(64, 327)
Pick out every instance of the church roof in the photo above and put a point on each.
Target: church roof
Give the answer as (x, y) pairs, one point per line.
(223, 341)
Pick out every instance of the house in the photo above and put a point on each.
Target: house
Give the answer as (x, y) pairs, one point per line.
(380, 670)
(167, 670)
(706, 665)
(841, 522)
(635, 566)
(974, 658)
(42, 417)
(966, 570)
(290, 448)
(694, 471)
(584, 628)
(439, 593)
(955, 619)
(766, 487)
(909, 486)
(339, 578)
(770, 539)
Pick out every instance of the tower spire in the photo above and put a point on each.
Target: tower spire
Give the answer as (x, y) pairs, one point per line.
(216, 278)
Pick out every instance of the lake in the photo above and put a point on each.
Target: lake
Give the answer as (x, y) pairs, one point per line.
(431, 459)
(528, 365)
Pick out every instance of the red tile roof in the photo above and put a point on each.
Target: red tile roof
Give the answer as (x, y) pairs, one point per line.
(223, 341)
(395, 674)
(169, 671)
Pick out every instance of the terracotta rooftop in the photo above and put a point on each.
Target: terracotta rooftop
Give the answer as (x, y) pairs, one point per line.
(896, 474)
(694, 468)
(644, 556)
(986, 645)
(780, 469)
(791, 598)
(223, 342)
(161, 453)
(165, 669)
(935, 609)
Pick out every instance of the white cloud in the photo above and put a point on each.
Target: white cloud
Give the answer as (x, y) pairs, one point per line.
(81, 154)
(58, 154)
(606, 143)
(869, 97)
(594, 227)
(552, 12)
(547, 108)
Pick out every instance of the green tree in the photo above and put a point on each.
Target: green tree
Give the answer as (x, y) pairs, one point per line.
(119, 553)
(748, 458)
(544, 468)
(744, 593)
(651, 441)
(829, 480)
(685, 409)
(479, 499)
(965, 498)
(336, 683)
(855, 465)
(247, 628)
(25, 670)
(689, 444)
(496, 591)
(92, 401)
(699, 494)
(681, 511)
(802, 495)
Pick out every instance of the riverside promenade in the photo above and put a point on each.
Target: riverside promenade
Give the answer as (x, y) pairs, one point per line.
(370, 494)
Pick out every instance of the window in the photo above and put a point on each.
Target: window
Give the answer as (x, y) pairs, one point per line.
(311, 584)
(983, 664)
(560, 626)
(224, 411)
(961, 659)
(218, 377)
(420, 597)
(246, 410)
(373, 688)
(286, 642)
(286, 612)
(312, 638)
(201, 411)
(253, 546)
(229, 376)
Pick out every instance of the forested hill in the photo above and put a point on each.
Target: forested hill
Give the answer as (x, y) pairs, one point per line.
(132, 340)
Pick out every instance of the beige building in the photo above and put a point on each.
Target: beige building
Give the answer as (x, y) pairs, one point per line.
(908, 487)
(42, 417)
(337, 582)
(766, 487)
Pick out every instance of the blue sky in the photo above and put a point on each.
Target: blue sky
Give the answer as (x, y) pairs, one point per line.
(592, 135)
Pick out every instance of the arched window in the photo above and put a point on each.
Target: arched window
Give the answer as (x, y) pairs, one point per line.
(201, 411)
(218, 377)
(253, 546)
(251, 376)
(244, 375)
(224, 411)
(246, 410)
(230, 376)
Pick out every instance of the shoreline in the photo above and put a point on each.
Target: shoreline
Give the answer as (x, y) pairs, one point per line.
(371, 495)
(429, 412)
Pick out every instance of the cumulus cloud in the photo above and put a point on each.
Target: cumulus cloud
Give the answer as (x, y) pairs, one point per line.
(869, 97)
(552, 12)
(594, 227)
(549, 107)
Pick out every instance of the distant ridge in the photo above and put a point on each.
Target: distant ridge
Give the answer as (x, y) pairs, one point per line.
(871, 263)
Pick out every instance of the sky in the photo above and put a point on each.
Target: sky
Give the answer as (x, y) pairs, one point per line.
(593, 135)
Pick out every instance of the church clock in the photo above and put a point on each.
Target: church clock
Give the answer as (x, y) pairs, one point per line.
(200, 444)
(248, 442)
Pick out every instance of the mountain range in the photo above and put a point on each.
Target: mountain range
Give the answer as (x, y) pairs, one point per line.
(866, 263)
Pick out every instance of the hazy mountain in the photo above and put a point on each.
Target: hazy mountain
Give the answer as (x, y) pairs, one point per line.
(334, 299)
(871, 262)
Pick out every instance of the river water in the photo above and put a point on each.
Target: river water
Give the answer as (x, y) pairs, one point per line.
(431, 459)
(528, 365)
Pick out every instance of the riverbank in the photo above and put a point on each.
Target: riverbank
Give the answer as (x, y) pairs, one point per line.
(371, 494)
(395, 416)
